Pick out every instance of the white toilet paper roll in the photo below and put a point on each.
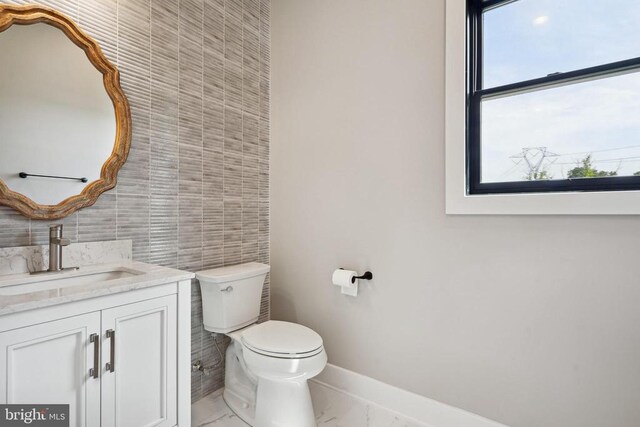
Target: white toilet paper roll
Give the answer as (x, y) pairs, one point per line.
(344, 278)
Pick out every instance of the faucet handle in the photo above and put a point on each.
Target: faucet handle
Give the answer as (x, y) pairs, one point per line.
(61, 241)
(55, 235)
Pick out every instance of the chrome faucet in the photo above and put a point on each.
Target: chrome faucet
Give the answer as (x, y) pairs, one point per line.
(56, 242)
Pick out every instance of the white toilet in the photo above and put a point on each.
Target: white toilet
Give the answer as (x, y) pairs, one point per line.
(267, 364)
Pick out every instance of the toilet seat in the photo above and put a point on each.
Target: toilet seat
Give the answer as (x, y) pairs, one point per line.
(282, 340)
(284, 355)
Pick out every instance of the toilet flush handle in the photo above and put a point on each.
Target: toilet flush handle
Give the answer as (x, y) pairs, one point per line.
(227, 289)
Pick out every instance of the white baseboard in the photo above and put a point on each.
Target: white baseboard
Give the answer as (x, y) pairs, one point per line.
(411, 405)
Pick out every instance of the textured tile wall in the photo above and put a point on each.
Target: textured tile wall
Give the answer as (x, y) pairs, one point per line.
(194, 193)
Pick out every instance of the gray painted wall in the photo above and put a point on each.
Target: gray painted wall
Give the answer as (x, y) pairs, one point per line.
(194, 193)
(532, 321)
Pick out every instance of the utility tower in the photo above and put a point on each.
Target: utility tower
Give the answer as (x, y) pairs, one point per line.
(536, 160)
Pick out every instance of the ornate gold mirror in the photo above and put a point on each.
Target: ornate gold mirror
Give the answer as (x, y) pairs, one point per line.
(65, 125)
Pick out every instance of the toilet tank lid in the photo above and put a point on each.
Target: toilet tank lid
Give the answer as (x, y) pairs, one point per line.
(233, 272)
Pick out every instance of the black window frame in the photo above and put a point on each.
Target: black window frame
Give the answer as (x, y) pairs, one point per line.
(476, 94)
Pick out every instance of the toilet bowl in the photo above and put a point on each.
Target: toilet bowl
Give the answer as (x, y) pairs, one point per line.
(267, 364)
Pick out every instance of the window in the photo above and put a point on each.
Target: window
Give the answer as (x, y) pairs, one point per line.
(553, 96)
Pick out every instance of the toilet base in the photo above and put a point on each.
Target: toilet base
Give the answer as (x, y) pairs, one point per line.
(238, 406)
(283, 404)
(267, 391)
(239, 388)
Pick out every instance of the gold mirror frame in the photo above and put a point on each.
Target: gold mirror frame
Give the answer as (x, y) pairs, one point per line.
(33, 14)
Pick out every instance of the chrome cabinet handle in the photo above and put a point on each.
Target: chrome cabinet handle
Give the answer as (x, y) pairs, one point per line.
(227, 289)
(111, 365)
(95, 371)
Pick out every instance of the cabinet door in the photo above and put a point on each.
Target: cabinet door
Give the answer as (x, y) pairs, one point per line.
(49, 363)
(139, 364)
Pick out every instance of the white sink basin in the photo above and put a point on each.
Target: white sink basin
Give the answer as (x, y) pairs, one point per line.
(49, 281)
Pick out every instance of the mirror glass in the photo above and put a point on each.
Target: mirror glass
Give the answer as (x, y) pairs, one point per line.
(56, 118)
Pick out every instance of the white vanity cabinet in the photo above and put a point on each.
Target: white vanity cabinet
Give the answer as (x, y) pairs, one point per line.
(119, 360)
(49, 363)
(139, 364)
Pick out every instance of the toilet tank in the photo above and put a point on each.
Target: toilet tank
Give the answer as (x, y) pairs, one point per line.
(231, 296)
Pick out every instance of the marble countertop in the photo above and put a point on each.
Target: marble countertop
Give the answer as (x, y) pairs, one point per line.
(138, 276)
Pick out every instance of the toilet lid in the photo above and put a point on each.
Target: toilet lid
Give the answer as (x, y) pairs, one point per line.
(282, 338)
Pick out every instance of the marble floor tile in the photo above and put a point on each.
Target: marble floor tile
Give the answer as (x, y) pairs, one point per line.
(211, 411)
(333, 409)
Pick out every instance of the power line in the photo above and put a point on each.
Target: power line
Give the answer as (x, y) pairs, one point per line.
(537, 166)
(511, 169)
(599, 151)
(619, 159)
